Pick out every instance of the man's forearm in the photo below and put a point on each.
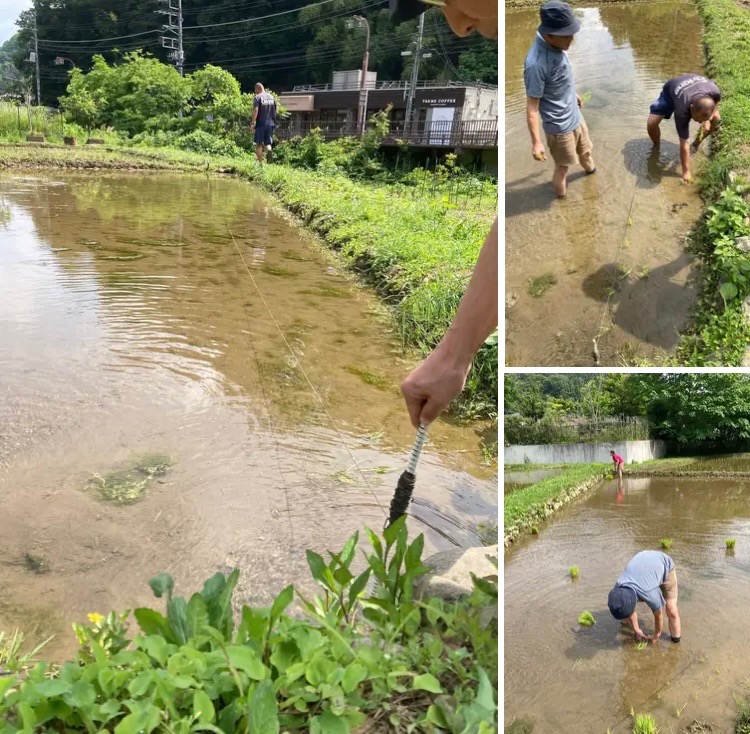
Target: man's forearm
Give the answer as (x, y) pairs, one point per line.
(685, 156)
(658, 623)
(532, 120)
(476, 317)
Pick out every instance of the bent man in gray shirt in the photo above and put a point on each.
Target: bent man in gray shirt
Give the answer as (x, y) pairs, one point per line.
(551, 95)
(648, 575)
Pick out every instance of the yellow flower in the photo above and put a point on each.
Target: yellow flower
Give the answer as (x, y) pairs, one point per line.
(95, 618)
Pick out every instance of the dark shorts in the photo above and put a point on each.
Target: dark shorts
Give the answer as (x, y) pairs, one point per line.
(662, 106)
(264, 134)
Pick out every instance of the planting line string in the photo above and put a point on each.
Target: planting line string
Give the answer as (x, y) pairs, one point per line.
(656, 692)
(267, 403)
(309, 382)
(605, 311)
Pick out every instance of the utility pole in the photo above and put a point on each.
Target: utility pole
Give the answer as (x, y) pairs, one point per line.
(36, 62)
(173, 10)
(359, 21)
(414, 73)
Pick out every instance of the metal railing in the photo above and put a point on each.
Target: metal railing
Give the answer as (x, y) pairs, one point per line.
(396, 84)
(443, 134)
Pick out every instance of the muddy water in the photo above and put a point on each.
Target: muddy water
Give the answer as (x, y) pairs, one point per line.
(568, 679)
(614, 246)
(129, 323)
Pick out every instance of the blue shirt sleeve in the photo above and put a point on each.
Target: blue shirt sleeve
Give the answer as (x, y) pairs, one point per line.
(534, 79)
(654, 599)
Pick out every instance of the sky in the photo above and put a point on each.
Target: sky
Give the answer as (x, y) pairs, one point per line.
(11, 9)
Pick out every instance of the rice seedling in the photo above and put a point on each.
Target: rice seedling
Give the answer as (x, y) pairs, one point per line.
(666, 543)
(574, 572)
(369, 377)
(644, 724)
(729, 543)
(642, 645)
(540, 285)
(127, 485)
(586, 619)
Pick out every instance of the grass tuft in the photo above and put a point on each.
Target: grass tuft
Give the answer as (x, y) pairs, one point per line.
(644, 724)
(574, 572)
(540, 285)
(665, 543)
(730, 543)
(586, 619)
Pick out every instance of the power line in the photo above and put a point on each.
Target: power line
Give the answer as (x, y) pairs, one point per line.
(99, 40)
(262, 17)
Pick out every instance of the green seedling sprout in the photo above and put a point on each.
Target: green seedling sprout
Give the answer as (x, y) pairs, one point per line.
(644, 724)
(665, 543)
(729, 542)
(642, 645)
(586, 619)
(574, 572)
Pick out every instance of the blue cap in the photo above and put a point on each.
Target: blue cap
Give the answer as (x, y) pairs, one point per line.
(558, 19)
(621, 602)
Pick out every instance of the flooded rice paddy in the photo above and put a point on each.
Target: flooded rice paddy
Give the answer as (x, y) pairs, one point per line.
(516, 479)
(163, 316)
(608, 261)
(586, 680)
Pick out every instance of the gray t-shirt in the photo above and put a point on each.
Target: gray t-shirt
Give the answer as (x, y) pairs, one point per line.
(681, 90)
(645, 573)
(548, 75)
(266, 105)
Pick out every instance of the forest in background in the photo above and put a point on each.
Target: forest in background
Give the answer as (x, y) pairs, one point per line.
(279, 42)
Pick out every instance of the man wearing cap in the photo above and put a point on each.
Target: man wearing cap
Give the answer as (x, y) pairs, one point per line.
(463, 16)
(439, 379)
(551, 95)
(688, 97)
(649, 577)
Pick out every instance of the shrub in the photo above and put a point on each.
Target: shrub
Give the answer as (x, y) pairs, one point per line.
(351, 657)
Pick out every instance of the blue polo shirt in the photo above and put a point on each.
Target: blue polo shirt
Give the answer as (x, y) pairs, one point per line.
(645, 573)
(548, 75)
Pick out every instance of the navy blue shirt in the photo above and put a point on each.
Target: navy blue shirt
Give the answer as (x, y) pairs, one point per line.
(680, 93)
(266, 105)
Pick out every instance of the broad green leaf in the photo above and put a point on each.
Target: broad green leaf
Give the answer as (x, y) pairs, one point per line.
(392, 533)
(6, 683)
(28, 717)
(220, 612)
(359, 585)
(729, 291)
(246, 659)
(143, 720)
(153, 623)
(53, 687)
(320, 669)
(317, 566)
(162, 584)
(436, 716)
(329, 723)
(81, 695)
(197, 615)
(377, 546)
(485, 586)
(284, 655)
(141, 683)
(213, 588)
(157, 647)
(347, 554)
(263, 711)
(203, 708)
(254, 625)
(353, 676)
(178, 619)
(293, 672)
(428, 683)
(282, 601)
(485, 695)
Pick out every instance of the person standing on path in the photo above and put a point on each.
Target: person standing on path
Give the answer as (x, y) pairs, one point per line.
(440, 378)
(551, 95)
(263, 122)
(688, 97)
(649, 577)
(619, 461)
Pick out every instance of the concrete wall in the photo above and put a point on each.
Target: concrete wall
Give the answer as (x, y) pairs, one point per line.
(584, 453)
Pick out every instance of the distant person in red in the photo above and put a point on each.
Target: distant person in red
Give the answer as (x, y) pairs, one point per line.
(619, 461)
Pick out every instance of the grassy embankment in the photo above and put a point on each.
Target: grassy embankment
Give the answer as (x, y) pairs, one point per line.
(526, 507)
(417, 252)
(727, 465)
(720, 333)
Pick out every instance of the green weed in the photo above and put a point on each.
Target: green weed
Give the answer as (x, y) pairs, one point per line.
(127, 485)
(342, 661)
(279, 271)
(368, 376)
(665, 543)
(574, 572)
(644, 724)
(540, 285)
(730, 543)
(586, 619)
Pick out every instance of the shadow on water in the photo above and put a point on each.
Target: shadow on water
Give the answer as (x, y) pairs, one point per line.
(535, 198)
(638, 302)
(651, 164)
